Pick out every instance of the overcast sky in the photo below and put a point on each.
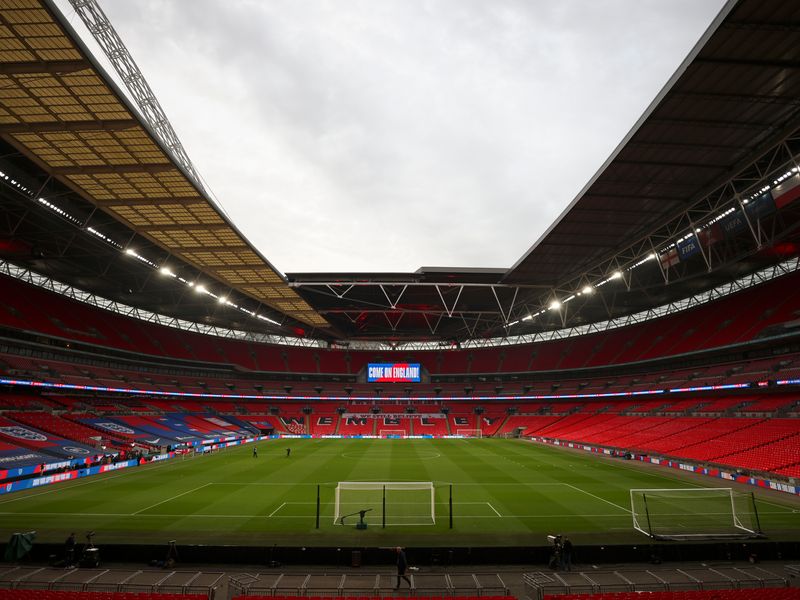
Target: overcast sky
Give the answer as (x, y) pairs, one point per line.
(385, 135)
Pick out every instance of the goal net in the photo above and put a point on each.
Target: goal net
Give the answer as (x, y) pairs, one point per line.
(476, 433)
(693, 513)
(393, 433)
(388, 502)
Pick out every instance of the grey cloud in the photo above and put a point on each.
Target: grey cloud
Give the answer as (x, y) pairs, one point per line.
(389, 134)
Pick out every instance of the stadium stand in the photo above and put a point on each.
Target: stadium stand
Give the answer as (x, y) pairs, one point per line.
(24, 582)
(733, 319)
(757, 594)
(18, 594)
(717, 582)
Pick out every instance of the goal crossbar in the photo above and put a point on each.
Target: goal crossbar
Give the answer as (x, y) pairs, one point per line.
(392, 432)
(470, 432)
(389, 502)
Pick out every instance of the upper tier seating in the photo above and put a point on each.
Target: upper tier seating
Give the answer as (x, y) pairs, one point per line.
(733, 319)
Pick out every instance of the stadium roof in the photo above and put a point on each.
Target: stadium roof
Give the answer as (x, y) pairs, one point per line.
(60, 110)
(736, 93)
(724, 125)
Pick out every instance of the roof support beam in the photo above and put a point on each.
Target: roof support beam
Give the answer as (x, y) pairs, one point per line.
(51, 66)
(159, 201)
(59, 126)
(725, 123)
(185, 227)
(112, 169)
(242, 246)
(228, 267)
(774, 63)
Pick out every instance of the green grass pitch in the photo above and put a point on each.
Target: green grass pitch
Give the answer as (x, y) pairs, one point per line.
(505, 492)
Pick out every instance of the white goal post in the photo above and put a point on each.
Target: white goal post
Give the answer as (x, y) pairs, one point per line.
(392, 432)
(476, 433)
(386, 502)
(694, 513)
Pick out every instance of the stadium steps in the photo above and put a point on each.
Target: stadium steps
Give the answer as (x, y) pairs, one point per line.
(706, 582)
(502, 425)
(53, 583)
(366, 585)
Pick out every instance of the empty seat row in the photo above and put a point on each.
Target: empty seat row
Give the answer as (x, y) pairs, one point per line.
(374, 597)
(16, 594)
(748, 594)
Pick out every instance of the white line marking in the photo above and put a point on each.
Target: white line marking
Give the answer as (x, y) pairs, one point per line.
(575, 487)
(276, 510)
(783, 506)
(494, 509)
(172, 498)
(327, 515)
(63, 486)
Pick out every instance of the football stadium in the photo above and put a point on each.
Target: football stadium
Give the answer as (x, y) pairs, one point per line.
(625, 396)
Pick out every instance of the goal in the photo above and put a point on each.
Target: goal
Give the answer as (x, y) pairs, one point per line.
(474, 433)
(388, 502)
(394, 433)
(694, 513)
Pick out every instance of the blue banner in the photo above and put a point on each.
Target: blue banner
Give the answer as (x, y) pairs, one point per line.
(733, 223)
(688, 247)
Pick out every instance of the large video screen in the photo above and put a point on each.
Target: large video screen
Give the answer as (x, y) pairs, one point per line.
(393, 372)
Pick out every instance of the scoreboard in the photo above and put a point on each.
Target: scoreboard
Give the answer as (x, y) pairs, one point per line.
(393, 373)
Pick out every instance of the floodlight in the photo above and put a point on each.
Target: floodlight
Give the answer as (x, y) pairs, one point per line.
(555, 305)
(616, 275)
(166, 271)
(200, 289)
(587, 289)
(130, 252)
(222, 299)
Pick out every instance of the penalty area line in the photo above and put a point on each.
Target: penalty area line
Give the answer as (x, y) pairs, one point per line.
(200, 487)
(575, 487)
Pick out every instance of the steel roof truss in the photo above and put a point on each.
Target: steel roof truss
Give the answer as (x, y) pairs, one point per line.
(441, 297)
(778, 157)
(392, 303)
(432, 328)
(338, 294)
(505, 313)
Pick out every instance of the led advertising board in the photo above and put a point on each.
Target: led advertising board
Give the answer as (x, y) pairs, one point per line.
(393, 373)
